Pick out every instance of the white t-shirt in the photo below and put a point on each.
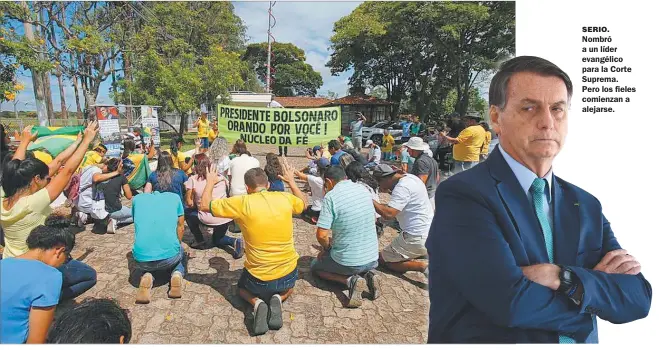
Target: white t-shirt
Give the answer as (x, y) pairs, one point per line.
(223, 165)
(357, 128)
(237, 168)
(317, 192)
(85, 192)
(375, 154)
(411, 199)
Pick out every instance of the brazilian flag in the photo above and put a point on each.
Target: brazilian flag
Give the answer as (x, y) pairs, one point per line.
(54, 139)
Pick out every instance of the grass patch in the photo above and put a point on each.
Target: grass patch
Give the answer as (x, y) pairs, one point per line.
(188, 140)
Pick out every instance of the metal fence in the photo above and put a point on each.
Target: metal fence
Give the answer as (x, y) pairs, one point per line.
(17, 124)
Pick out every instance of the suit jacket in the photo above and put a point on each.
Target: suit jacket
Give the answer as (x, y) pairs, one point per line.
(485, 230)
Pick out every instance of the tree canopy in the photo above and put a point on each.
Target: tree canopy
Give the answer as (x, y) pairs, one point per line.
(292, 75)
(422, 51)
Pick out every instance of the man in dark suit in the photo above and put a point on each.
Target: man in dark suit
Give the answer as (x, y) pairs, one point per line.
(517, 254)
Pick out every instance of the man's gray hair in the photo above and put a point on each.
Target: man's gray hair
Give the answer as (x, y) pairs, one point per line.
(531, 64)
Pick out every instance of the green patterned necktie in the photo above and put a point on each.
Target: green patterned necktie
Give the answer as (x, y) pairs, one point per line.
(537, 194)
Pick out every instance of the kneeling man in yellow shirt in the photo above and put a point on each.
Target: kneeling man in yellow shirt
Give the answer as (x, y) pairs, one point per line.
(266, 220)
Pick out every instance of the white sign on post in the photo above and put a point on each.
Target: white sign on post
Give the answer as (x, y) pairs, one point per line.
(150, 125)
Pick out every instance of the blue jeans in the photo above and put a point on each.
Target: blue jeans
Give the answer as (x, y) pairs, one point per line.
(265, 289)
(77, 278)
(370, 165)
(203, 142)
(173, 264)
(327, 264)
(219, 232)
(123, 215)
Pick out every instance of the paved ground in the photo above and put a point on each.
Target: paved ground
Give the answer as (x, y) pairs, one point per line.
(210, 310)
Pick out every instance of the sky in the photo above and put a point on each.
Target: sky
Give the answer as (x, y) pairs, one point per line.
(307, 25)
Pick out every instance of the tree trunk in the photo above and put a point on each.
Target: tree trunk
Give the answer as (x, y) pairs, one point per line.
(114, 80)
(128, 76)
(37, 80)
(60, 82)
(48, 94)
(74, 80)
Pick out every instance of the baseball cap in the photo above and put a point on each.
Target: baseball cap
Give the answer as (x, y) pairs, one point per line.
(316, 149)
(369, 142)
(383, 170)
(323, 162)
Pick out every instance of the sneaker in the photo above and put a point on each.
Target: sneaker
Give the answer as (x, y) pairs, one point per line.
(81, 219)
(356, 286)
(175, 285)
(112, 226)
(260, 317)
(373, 283)
(425, 272)
(275, 320)
(144, 291)
(238, 248)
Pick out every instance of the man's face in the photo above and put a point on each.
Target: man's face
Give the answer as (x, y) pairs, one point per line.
(332, 150)
(533, 124)
(414, 153)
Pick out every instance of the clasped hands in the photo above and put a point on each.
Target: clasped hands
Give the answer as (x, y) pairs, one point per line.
(615, 261)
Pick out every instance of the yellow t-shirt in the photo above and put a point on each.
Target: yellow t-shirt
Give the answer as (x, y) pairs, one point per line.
(91, 158)
(266, 221)
(202, 128)
(211, 135)
(469, 147)
(43, 156)
(388, 143)
(17, 222)
(177, 160)
(486, 145)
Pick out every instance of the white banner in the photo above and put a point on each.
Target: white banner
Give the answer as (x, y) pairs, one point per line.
(150, 125)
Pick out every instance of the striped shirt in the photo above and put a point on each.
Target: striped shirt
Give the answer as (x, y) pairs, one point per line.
(348, 211)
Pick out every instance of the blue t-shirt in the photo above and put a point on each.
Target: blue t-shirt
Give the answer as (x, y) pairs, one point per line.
(348, 211)
(336, 157)
(406, 128)
(25, 284)
(277, 186)
(155, 218)
(177, 186)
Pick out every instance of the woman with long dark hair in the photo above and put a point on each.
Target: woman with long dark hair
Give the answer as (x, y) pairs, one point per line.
(273, 169)
(29, 190)
(179, 159)
(193, 217)
(166, 178)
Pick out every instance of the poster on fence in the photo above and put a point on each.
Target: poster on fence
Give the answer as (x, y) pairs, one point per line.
(279, 126)
(150, 125)
(108, 123)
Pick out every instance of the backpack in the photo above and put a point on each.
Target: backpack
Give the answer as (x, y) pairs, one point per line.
(357, 156)
(72, 189)
(345, 159)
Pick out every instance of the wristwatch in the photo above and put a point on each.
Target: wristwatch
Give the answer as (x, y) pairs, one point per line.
(569, 285)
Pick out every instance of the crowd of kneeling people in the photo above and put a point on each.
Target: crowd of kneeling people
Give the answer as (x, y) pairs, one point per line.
(219, 190)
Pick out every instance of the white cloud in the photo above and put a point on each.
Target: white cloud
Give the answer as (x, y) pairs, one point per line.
(309, 25)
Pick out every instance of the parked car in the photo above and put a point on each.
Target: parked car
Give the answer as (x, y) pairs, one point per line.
(375, 132)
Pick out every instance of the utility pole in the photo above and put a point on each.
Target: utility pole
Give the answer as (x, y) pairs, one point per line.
(271, 39)
(37, 77)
